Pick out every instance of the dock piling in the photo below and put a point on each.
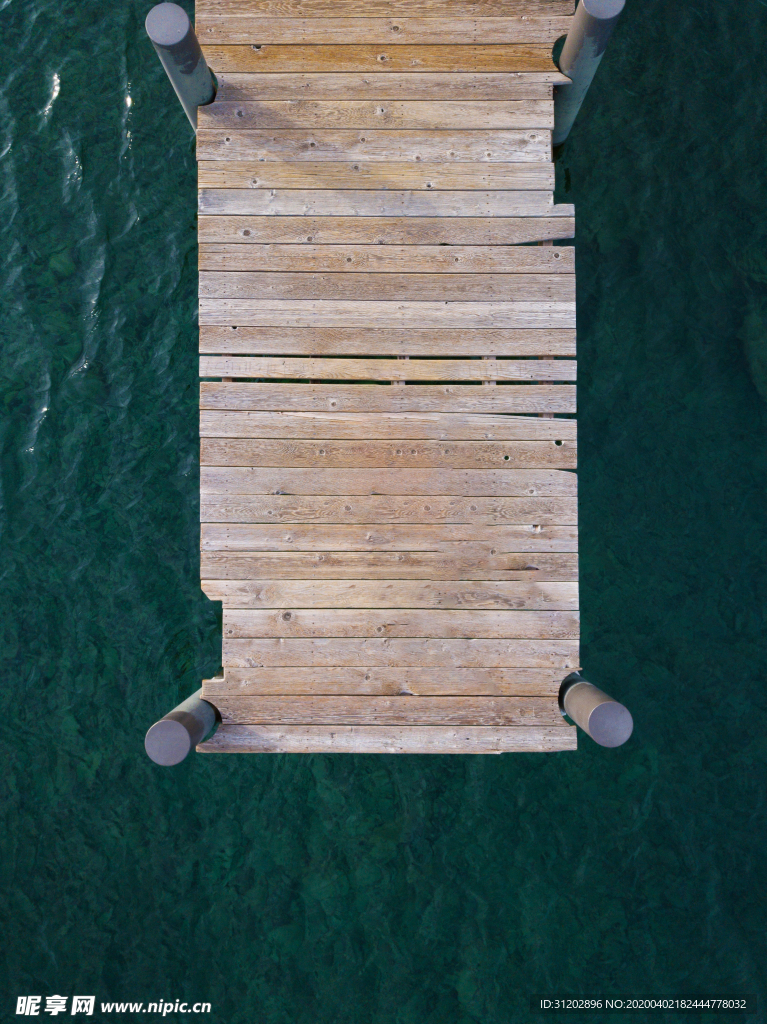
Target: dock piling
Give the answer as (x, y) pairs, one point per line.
(177, 46)
(170, 740)
(606, 721)
(592, 27)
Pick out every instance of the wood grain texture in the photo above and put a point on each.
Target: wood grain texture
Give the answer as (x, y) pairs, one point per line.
(393, 313)
(484, 288)
(385, 230)
(350, 739)
(372, 203)
(233, 30)
(392, 653)
(346, 537)
(396, 594)
(410, 426)
(375, 509)
(233, 87)
(512, 682)
(319, 341)
(409, 710)
(391, 259)
(378, 58)
(419, 398)
(400, 622)
(393, 146)
(371, 454)
(470, 564)
(465, 482)
(382, 8)
(378, 114)
(241, 174)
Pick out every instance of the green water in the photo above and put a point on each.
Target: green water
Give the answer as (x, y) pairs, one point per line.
(379, 890)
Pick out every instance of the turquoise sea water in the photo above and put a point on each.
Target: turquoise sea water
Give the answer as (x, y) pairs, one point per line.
(379, 890)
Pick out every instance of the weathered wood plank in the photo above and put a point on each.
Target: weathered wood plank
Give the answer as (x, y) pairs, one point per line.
(388, 369)
(382, 8)
(400, 622)
(512, 682)
(392, 653)
(378, 58)
(319, 341)
(420, 398)
(385, 230)
(410, 710)
(371, 203)
(371, 454)
(351, 739)
(394, 313)
(410, 426)
(471, 564)
(346, 537)
(393, 146)
(378, 114)
(392, 594)
(375, 509)
(400, 259)
(484, 288)
(232, 30)
(391, 86)
(235, 174)
(441, 482)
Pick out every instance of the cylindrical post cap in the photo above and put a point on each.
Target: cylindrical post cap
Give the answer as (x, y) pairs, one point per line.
(596, 8)
(168, 741)
(610, 724)
(167, 24)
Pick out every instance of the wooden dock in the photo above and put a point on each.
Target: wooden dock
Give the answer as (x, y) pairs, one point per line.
(387, 338)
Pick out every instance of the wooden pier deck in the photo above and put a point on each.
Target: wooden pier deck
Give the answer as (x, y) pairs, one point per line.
(388, 446)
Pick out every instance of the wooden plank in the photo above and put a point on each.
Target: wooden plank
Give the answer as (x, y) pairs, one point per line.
(350, 739)
(420, 398)
(397, 653)
(439, 711)
(319, 341)
(352, 426)
(392, 287)
(441, 482)
(390, 86)
(236, 174)
(388, 259)
(400, 622)
(470, 564)
(346, 537)
(374, 509)
(382, 8)
(372, 203)
(394, 146)
(374, 58)
(385, 230)
(388, 369)
(392, 594)
(512, 682)
(234, 30)
(378, 114)
(394, 313)
(411, 454)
